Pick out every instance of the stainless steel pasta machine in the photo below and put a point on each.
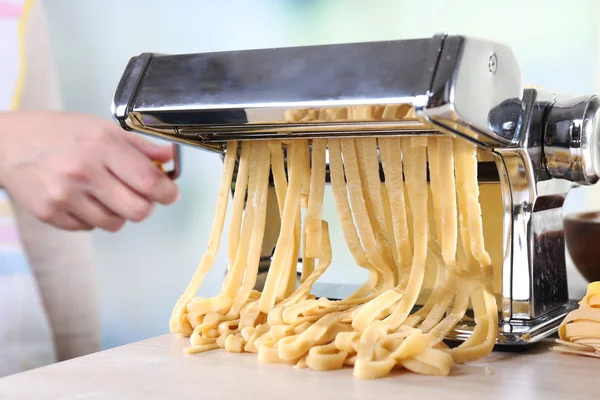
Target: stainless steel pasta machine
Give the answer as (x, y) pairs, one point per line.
(534, 144)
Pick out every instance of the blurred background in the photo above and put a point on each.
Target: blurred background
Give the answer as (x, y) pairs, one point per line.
(142, 270)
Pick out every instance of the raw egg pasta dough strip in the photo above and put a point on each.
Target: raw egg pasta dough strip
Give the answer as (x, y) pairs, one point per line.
(177, 323)
(278, 171)
(280, 181)
(447, 192)
(259, 200)
(285, 240)
(483, 337)
(391, 154)
(461, 300)
(241, 186)
(368, 165)
(315, 200)
(308, 263)
(257, 192)
(236, 271)
(476, 350)
(438, 302)
(477, 243)
(305, 189)
(305, 116)
(365, 318)
(340, 194)
(288, 285)
(484, 303)
(360, 212)
(368, 176)
(324, 261)
(433, 157)
(389, 227)
(466, 156)
(434, 304)
(414, 149)
(460, 165)
(312, 231)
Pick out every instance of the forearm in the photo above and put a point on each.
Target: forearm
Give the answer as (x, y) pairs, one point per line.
(63, 266)
(17, 141)
(9, 121)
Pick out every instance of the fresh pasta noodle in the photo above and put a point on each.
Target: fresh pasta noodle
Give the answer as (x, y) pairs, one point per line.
(390, 232)
(315, 201)
(580, 331)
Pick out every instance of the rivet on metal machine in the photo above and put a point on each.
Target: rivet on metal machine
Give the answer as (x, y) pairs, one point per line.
(493, 63)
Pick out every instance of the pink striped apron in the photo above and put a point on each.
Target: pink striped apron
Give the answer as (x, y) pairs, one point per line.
(25, 340)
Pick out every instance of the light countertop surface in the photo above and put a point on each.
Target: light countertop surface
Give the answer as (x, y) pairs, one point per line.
(157, 369)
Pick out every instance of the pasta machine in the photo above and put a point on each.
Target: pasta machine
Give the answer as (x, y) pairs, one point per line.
(534, 144)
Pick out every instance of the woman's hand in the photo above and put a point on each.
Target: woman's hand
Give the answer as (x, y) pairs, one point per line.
(80, 172)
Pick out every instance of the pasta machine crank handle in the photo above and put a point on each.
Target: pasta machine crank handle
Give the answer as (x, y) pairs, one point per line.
(176, 171)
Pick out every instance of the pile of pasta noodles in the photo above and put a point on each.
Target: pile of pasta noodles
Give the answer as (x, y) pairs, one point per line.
(375, 329)
(580, 331)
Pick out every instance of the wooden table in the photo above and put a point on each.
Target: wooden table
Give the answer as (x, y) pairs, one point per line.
(156, 369)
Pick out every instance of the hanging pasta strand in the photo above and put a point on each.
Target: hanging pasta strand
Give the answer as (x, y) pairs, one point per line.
(287, 285)
(466, 167)
(447, 192)
(485, 309)
(416, 168)
(340, 194)
(308, 263)
(467, 268)
(361, 215)
(278, 172)
(292, 262)
(315, 201)
(258, 198)
(400, 303)
(444, 286)
(225, 308)
(440, 297)
(177, 324)
(233, 280)
(368, 164)
(286, 236)
(324, 261)
(239, 197)
(236, 272)
(433, 158)
(459, 307)
(391, 155)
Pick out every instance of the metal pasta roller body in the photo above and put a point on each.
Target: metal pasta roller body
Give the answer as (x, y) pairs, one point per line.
(534, 145)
